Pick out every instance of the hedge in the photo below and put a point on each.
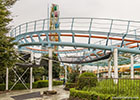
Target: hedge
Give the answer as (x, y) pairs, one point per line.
(44, 83)
(70, 85)
(38, 84)
(86, 95)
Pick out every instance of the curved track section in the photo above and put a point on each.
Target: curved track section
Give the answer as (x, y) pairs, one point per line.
(96, 34)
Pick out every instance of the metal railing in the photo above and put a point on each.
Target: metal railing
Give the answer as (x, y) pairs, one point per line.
(120, 27)
(117, 87)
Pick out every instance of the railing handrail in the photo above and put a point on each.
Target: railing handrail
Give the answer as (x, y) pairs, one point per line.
(47, 19)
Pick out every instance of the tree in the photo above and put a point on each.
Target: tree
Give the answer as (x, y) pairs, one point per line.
(73, 76)
(56, 65)
(7, 52)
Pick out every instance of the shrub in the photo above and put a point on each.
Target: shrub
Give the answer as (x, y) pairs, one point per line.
(20, 86)
(57, 83)
(86, 80)
(35, 84)
(70, 85)
(2, 87)
(38, 84)
(80, 95)
(42, 83)
(73, 76)
(88, 95)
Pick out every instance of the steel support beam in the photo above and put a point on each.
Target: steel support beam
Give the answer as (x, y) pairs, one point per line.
(128, 50)
(19, 79)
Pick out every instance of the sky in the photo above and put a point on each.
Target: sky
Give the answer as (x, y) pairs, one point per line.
(29, 10)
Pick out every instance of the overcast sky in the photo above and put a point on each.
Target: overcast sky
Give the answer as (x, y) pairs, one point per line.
(28, 10)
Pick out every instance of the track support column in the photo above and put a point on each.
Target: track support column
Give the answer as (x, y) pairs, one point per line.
(7, 75)
(31, 79)
(132, 66)
(115, 53)
(109, 68)
(98, 72)
(66, 73)
(80, 69)
(31, 70)
(50, 69)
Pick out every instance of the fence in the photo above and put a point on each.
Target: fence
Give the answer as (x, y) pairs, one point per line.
(117, 87)
(121, 86)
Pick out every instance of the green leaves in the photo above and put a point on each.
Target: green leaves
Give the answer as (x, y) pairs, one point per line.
(56, 65)
(87, 79)
(7, 52)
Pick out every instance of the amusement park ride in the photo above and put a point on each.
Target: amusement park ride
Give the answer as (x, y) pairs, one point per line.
(93, 39)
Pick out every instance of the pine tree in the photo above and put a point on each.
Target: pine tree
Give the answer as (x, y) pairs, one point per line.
(7, 52)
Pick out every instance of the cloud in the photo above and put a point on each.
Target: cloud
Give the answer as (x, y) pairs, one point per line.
(27, 10)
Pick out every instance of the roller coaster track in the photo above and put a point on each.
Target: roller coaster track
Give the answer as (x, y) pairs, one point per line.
(99, 35)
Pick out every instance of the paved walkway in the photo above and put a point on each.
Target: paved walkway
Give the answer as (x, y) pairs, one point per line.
(35, 94)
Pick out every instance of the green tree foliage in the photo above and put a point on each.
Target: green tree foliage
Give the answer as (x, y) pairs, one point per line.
(7, 53)
(38, 72)
(56, 66)
(5, 16)
(73, 76)
(87, 79)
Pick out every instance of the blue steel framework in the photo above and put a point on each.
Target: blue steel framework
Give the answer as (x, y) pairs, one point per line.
(99, 34)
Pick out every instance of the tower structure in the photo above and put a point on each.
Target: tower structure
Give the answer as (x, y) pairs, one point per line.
(54, 23)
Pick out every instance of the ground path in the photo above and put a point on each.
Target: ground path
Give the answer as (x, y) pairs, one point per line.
(35, 94)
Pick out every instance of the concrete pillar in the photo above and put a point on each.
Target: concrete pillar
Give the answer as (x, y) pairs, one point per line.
(132, 66)
(115, 53)
(109, 68)
(50, 70)
(98, 72)
(7, 75)
(66, 73)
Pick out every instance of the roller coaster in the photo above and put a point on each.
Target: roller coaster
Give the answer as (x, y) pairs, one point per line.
(79, 40)
(95, 36)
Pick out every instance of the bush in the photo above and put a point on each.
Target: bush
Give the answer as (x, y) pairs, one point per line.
(86, 80)
(57, 83)
(86, 95)
(42, 83)
(35, 84)
(72, 78)
(2, 87)
(20, 86)
(70, 85)
(38, 84)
